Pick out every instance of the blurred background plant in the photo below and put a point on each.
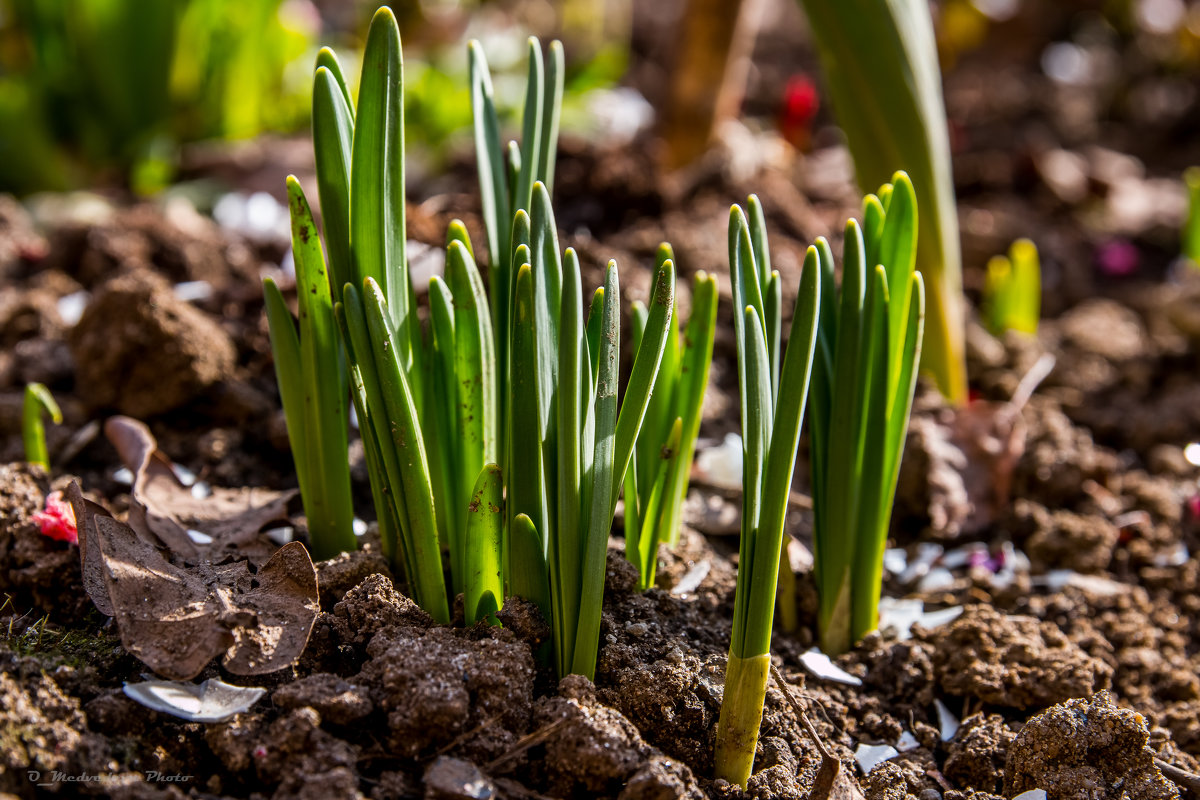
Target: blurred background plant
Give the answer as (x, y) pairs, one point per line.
(97, 89)
(106, 92)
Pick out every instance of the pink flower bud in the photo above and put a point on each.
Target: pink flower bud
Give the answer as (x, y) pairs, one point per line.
(58, 520)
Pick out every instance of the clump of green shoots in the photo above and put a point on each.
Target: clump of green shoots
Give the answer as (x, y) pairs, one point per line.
(863, 382)
(38, 402)
(657, 479)
(571, 440)
(1191, 225)
(522, 365)
(1012, 293)
(772, 401)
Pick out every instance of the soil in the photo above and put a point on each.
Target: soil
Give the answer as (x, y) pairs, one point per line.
(1074, 665)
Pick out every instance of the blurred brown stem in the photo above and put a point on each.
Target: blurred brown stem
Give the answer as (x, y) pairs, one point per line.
(709, 76)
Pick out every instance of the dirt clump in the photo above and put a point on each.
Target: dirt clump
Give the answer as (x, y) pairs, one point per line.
(42, 729)
(372, 606)
(305, 761)
(141, 350)
(1066, 540)
(1086, 749)
(338, 575)
(594, 750)
(337, 700)
(977, 753)
(1013, 661)
(441, 685)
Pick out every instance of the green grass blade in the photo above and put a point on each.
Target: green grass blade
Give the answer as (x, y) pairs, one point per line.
(696, 361)
(777, 476)
(898, 253)
(484, 592)
(443, 408)
(657, 511)
(493, 175)
(328, 60)
(285, 348)
(526, 478)
(551, 112)
(373, 417)
(875, 365)
(772, 326)
(475, 380)
(529, 576)
(595, 322)
(385, 515)
(429, 585)
(756, 444)
(328, 507)
(645, 370)
(566, 540)
(634, 523)
(605, 483)
(456, 231)
(531, 130)
(333, 139)
(548, 292)
(845, 420)
(38, 400)
(757, 223)
(377, 228)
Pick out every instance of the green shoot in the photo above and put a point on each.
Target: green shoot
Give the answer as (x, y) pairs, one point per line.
(372, 349)
(312, 384)
(563, 395)
(38, 401)
(1012, 294)
(1191, 226)
(507, 174)
(772, 402)
(657, 480)
(880, 63)
(867, 350)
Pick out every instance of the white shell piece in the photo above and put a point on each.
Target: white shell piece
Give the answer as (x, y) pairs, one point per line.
(694, 577)
(870, 756)
(210, 701)
(821, 666)
(907, 742)
(1032, 794)
(947, 722)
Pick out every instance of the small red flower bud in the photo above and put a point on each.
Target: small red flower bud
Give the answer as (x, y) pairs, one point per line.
(58, 520)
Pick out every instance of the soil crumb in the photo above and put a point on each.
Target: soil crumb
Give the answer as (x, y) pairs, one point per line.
(1086, 749)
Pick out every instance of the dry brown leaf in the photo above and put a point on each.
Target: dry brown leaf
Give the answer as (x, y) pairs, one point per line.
(90, 562)
(176, 619)
(163, 508)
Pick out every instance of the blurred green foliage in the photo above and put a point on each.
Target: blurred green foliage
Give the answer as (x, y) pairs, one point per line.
(105, 88)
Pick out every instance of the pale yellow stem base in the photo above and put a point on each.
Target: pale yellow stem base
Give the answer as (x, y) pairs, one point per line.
(741, 716)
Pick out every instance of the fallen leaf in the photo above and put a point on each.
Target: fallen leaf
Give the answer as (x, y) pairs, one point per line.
(176, 619)
(163, 507)
(210, 701)
(90, 561)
